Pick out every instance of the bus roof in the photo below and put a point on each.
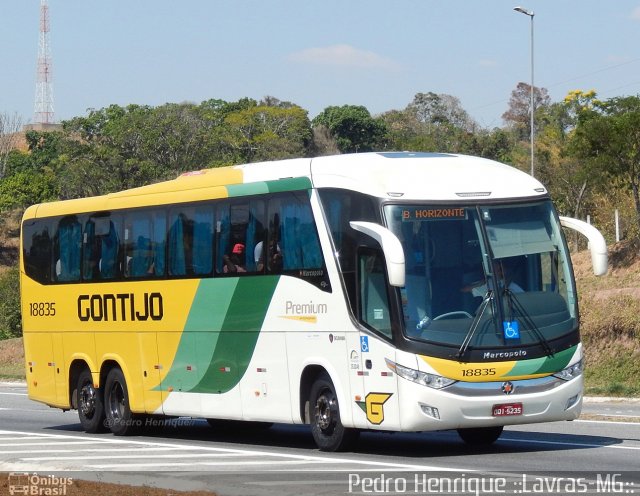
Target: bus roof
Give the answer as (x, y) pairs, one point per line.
(409, 175)
(405, 175)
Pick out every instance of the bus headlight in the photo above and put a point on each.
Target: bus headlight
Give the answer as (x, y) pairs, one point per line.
(570, 372)
(430, 380)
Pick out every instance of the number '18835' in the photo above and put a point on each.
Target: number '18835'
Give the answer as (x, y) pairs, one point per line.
(42, 309)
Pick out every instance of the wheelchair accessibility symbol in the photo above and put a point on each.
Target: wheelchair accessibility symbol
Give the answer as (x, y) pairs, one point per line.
(511, 329)
(364, 344)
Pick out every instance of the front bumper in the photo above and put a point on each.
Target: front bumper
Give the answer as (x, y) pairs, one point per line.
(466, 404)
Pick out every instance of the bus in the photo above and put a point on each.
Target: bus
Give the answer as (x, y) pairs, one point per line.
(378, 291)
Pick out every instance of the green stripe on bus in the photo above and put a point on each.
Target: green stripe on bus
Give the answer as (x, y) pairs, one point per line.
(237, 341)
(290, 184)
(263, 187)
(557, 362)
(220, 334)
(544, 365)
(201, 333)
(258, 188)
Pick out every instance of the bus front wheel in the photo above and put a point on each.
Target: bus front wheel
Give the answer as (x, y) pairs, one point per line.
(90, 404)
(326, 427)
(116, 404)
(480, 436)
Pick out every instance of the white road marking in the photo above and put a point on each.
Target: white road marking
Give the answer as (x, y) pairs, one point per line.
(577, 445)
(127, 457)
(101, 450)
(608, 422)
(276, 458)
(208, 464)
(46, 443)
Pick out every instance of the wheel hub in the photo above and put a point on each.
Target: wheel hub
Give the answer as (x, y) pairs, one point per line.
(87, 400)
(325, 412)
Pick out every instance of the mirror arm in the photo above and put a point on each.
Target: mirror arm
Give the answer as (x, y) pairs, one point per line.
(597, 244)
(391, 247)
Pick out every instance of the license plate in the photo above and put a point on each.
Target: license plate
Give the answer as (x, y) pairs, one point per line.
(507, 409)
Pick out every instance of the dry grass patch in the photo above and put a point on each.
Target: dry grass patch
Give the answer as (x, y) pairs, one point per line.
(610, 321)
(12, 359)
(84, 488)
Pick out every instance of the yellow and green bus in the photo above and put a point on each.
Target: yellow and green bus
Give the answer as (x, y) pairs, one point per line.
(378, 291)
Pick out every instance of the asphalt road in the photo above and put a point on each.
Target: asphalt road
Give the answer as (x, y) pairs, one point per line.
(283, 460)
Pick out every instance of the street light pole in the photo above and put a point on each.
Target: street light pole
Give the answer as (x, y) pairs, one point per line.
(531, 14)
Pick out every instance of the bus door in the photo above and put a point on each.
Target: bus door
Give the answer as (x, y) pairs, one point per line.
(380, 400)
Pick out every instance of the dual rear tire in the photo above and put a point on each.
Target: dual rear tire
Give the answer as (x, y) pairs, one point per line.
(105, 408)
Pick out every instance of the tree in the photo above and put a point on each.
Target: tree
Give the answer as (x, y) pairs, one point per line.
(441, 110)
(560, 168)
(267, 132)
(26, 188)
(432, 123)
(10, 316)
(404, 131)
(323, 143)
(353, 128)
(518, 115)
(10, 126)
(609, 137)
(496, 144)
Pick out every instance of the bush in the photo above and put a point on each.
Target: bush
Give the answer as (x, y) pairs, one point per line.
(26, 188)
(10, 316)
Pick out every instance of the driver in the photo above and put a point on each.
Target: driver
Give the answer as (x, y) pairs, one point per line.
(504, 274)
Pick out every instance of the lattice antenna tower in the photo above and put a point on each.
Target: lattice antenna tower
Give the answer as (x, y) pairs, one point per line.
(44, 79)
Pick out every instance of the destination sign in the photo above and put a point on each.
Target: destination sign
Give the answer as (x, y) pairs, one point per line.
(418, 213)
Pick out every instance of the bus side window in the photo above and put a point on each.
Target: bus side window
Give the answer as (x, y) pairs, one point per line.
(68, 249)
(191, 241)
(180, 244)
(145, 241)
(240, 236)
(293, 232)
(101, 249)
(138, 245)
(202, 246)
(37, 250)
(373, 308)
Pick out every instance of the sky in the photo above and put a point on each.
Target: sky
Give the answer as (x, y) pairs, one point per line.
(316, 53)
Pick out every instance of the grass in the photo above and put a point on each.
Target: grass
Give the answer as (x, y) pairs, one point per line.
(610, 321)
(12, 359)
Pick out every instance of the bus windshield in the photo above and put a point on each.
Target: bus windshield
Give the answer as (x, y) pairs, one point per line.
(484, 276)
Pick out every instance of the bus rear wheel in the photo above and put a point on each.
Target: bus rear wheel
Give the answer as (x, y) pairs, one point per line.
(480, 436)
(119, 417)
(326, 427)
(90, 404)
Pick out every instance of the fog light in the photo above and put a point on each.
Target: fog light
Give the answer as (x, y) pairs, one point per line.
(430, 411)
(572, 401)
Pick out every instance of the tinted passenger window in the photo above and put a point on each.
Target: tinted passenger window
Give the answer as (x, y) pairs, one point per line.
(101, 248)
(68, 249)
(144, 237)
(240, 233)
(36, 241)
(191, 241)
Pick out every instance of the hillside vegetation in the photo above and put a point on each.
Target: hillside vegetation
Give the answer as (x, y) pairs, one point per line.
(610, 321)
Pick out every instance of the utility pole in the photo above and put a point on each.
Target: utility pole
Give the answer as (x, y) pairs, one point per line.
(531, 15)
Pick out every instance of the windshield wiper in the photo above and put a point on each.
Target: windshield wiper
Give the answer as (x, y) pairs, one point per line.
(528, 321)
(474, 324)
